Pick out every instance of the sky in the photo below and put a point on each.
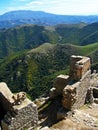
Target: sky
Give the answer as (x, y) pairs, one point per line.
(65, 7)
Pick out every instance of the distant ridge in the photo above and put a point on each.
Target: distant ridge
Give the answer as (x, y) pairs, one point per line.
(27, 37)
(14, 18)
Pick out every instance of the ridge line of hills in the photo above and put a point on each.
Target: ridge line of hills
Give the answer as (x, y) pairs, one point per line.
(21, 17)
(26, 37)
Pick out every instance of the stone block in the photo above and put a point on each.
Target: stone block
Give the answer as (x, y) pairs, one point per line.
(60, 83)
(79, 66)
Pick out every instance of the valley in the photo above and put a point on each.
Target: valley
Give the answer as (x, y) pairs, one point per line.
(32, 55)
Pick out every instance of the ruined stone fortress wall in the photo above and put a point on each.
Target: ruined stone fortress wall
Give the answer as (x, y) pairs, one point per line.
(74, 95)
(79, 66)
(74, 87)
(26, 117)
(17, 112)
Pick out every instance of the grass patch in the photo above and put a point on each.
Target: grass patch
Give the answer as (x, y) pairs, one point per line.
(44, 106)
(86, 50)
(42, 48)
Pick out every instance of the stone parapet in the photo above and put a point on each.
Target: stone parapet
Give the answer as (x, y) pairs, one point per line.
(17, 112)
(25, 118)
(79, 66)
(74, 88)
(74, 95)
(60, 83)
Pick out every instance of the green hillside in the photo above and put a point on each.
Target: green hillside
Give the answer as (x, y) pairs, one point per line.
(88, 34)
(27, 37)
(88, 49)
(34, 71)
(32, 56)
(21, 38)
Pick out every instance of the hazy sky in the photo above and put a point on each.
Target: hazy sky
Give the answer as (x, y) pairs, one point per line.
(76, 7)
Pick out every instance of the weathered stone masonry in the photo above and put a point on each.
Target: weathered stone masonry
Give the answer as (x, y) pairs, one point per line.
(79, 65)
(74, 94)
(25, 118)
(17, 112)
(74, 87)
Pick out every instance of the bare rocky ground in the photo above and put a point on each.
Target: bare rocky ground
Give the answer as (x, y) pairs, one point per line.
(87, 115)
(85, 118)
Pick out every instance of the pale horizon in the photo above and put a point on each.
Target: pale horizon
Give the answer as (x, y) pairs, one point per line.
(62, 7)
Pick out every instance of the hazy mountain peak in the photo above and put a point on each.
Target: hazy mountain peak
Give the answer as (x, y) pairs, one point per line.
(19, 17)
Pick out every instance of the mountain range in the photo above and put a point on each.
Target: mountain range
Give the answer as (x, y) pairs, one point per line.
(26, 37)
(14, 18)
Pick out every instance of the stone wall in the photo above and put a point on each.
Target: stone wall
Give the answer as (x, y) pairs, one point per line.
(60, 83)
(25, 118)
(3, 101)
(94, 86)
(94, 79)
(5, 97)
(74, 95)
(79, 66)
(16, 110)
(74, 88)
